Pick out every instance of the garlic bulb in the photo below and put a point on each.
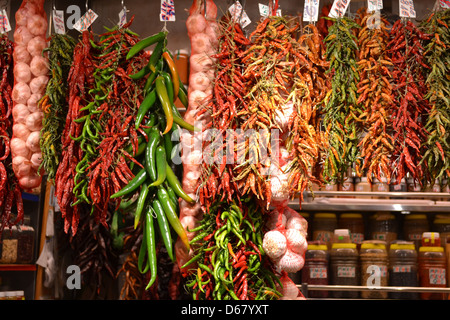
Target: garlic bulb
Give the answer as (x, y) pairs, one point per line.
(291, 262)
(296, 241)
(274, 244)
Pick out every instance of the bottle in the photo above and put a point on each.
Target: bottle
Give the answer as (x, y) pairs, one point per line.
(374, 268)
(323, 227)
(344, 268)
(441, 224)
(432, 271)
(363, 185)
(414, 225)
(384, 227)
(403, 269)
(355, 223)
(315, 270)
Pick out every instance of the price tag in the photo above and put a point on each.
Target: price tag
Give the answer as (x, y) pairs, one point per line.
(85, 21)
(167, 10)
(373, 5)
(445, 4)
(338, 8)
(58, 21)
(311, 10)
(374, 20)
(264, 11)
(406, 9)
(4, 22)
(239, 15)
(123, 17)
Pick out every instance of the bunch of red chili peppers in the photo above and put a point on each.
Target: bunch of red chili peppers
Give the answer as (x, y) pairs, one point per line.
(10, 191)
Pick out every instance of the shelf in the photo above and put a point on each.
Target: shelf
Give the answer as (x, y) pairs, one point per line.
(305, 286)
(383, 201)
(17, 267)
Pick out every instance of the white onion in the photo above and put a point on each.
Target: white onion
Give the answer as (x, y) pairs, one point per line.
(274, 244)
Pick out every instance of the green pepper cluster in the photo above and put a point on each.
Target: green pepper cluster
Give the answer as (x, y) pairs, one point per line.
(154, 191)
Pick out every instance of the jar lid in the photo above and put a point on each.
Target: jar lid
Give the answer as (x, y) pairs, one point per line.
(402, 246)
(372, 245)
(431, 249)
(325, 215)
(343, 245)
(416, 217)
(442, 221)
(383, 216)
(304, 214)
(351, 215)
(317, 247)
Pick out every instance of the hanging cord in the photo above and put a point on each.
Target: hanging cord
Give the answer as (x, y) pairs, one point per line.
(274, 5)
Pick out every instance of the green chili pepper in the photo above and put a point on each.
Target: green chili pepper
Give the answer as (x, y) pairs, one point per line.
(150, 153)
(172, 215)
(132, 185)
(140, 204)
(175, 184)
(161, 163)
(156, 55)
(164, 227)
(142, 253)
(141, 73)
(172, 195)
(169, 86)
(151, 247)
(146, 104)
(168, 144)
(180, 121)
(144, 43)
(165, 102)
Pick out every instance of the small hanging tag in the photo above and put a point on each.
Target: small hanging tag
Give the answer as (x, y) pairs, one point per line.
(58, 21)
(311, 10)
(85, 21)
(406, 9)
(4, 26)
(264, 10)
(167, 10)
(122, 17)
(445, 4)
(338, 8)
(239, 15)
(374, 20)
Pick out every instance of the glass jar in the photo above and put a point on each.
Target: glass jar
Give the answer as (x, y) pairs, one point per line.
(384, 227)
(355, 223)
(414, 225)
(380, 186)
(315, 270)
(344, 268)
(374, 268)
(362, 185)
(181, 58)
(9, 245)
(399, 187)
(412, 185)
(25, 243)
(403, 269)
(323, 227)
(431, 239)
(441, 224)
(432, 271)
(347, 185)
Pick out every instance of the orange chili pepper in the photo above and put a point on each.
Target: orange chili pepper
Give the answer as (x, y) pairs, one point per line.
(174, 73)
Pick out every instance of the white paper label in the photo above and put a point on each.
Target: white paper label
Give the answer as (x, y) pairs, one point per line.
(239, 15)
(85, 21)
(373, 22)
(58, 21)
(445, 4)
(122, 17)
(338, 8)
(167, 10)
(373, 5)
(311, 10)
(406, 9)
(264, 11)
(4, 24)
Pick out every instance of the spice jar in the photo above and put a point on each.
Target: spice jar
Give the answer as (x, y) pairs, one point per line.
(347, 185)
(432, 271)
(414, 225)
(399, 187)
(323, 227)
(25, 242)
(181, 60)
(403, 269)
(315, 270)
(362, 185)
(355, 223)
(412, 185)
(441, 224)
(384, 227)
(374, 268)
(380, 186)
(9, 245)
(431, 239)
(344, 268)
